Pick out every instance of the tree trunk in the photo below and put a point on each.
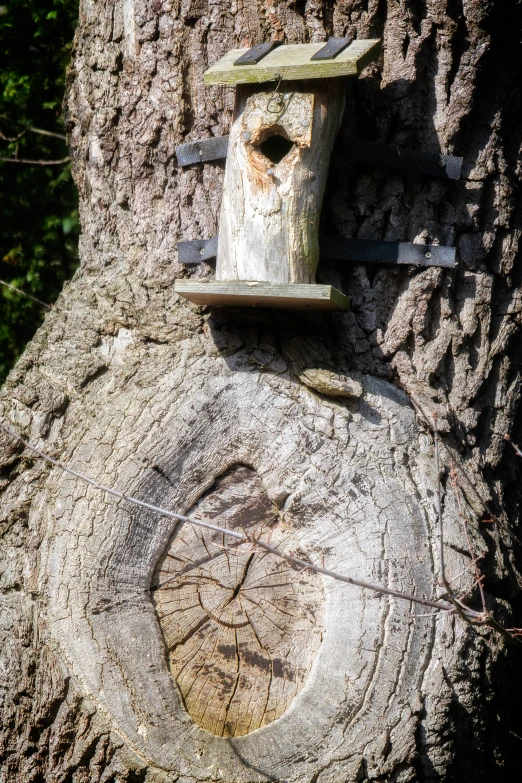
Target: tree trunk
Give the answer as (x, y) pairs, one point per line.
(133, 648)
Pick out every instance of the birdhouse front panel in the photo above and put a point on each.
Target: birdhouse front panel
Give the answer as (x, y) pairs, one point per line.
(274, 182)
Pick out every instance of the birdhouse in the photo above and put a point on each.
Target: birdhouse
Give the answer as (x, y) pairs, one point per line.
(289, 104)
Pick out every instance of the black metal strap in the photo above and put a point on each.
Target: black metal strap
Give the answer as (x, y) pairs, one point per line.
(342, 249)
(197, 250)
(372, 251)
(332, 48)
(347, 149)
(256, 53)
(202, 151)
(432, 163)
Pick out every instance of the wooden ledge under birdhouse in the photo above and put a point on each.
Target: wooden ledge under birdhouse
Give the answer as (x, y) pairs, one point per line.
(295, 296)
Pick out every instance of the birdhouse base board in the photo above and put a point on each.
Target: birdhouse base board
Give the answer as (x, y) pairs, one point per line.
(297, 296)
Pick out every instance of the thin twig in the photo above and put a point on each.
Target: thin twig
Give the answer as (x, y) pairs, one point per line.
(43, 132)
(23, 293)
(30, 129)
(36, 162)
(238, 536)
(12, 138)
(474, 559)
(517, 449)
(468, 615)
(466, 570)
(463, 472)
(444, 581)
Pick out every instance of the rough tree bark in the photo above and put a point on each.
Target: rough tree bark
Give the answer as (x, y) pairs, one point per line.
(241, 416)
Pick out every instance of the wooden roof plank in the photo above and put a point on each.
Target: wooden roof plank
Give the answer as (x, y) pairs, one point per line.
(293, 61)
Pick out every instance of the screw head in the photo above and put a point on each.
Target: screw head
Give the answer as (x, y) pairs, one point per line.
(305, 123)
(246, 135)
(427, 255)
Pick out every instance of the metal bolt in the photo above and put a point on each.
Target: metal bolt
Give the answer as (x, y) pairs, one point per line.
(246, 135)
(305, 123)
(427, 255)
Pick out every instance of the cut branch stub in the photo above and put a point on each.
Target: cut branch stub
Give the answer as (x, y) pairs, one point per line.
(277, 164)
(242, 627)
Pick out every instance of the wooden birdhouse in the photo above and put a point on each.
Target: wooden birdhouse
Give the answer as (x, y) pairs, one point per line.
(289, 104)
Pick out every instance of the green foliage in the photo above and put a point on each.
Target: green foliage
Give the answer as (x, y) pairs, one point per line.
(38, 204)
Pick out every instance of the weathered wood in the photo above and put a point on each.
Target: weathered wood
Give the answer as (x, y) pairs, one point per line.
(293, 61)
(241, 627)
(253, 294)
(269, 221)
(344, 498)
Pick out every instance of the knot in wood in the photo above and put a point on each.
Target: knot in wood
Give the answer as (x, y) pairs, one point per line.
(241, 626)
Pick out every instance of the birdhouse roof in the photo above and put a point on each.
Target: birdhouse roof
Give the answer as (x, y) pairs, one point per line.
(293, 61)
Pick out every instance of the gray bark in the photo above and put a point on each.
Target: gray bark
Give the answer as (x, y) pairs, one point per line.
(324, 418)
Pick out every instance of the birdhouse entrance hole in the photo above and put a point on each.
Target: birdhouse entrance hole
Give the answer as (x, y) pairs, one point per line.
(276, 146)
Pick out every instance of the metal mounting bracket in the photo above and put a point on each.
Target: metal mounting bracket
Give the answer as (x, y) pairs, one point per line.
(256, 53)
(343, 249)
(332, 48)
(347, 148)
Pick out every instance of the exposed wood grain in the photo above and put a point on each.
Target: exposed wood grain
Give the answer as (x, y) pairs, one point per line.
(291, 296)
(327, 469)
(294, 62)
(241, 628)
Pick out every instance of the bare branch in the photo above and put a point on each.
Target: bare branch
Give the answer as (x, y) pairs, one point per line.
(240, 537)
(474, 559)
(43, 132)
(23, 293)
(516, 448)
(36, 162)
(463, 472)
(443, 578)
(29, 129)
(12, 138)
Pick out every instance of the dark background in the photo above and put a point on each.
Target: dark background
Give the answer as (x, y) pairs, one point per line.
(38, 203)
